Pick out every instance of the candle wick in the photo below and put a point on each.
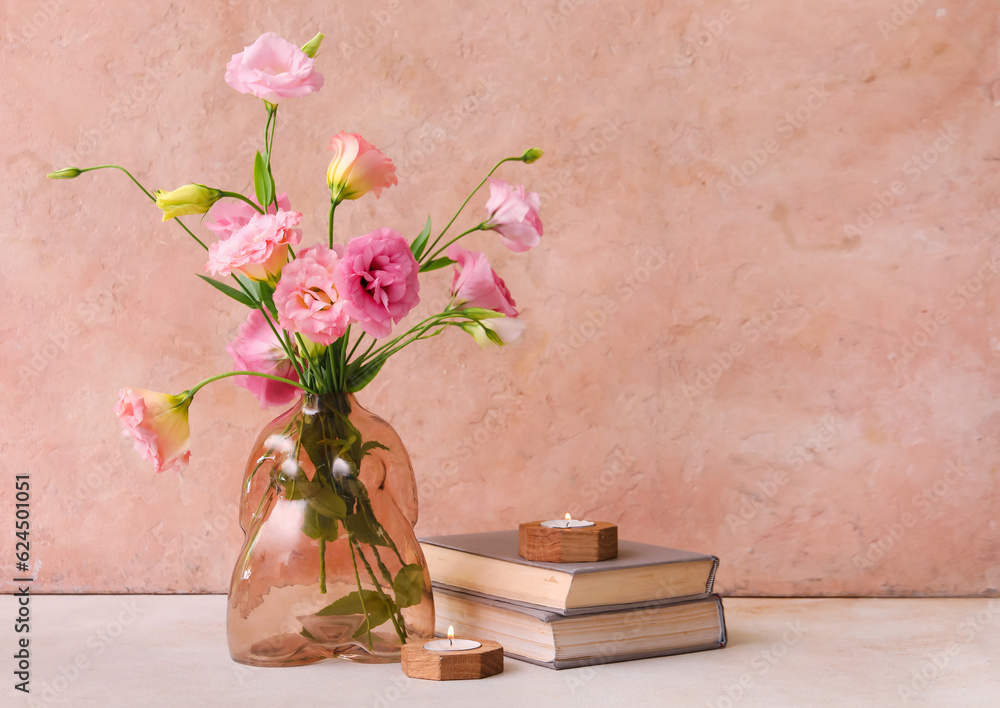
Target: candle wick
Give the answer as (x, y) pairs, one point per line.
(451, 642)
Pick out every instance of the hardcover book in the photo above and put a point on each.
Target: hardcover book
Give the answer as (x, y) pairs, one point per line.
(593, 636)
(488, 564)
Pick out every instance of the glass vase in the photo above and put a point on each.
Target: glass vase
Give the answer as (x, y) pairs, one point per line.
(330, 566)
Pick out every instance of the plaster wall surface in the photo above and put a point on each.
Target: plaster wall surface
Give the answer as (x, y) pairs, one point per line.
(762, 322)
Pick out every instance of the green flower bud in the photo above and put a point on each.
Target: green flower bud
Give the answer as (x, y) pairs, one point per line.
(479, 313)
(499, 331)
(189, 199)
(65, 173)
(531, 155)
(312, 46)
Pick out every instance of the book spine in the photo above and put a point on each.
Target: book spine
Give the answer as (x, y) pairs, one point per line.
(711, 576)
(723, 634)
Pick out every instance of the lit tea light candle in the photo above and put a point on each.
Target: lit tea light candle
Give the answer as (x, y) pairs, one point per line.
(567, 540)
(452, 644)
(568, 523)
(450, 659)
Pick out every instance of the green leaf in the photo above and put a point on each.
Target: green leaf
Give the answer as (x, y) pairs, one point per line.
(371, 445)
(230, 291)
(363, 376)
(290, 488)
(267, 297)
(420, 242)
(327, 503)
(408, 586)
(317, 525)
(493, 336)
(263, 184)
(249, 286)
(435, 264)
(479, 313)
(364, 602)
(363, 530)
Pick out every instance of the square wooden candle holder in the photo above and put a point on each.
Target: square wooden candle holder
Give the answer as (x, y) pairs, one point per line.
(486, 660)
(573, 545)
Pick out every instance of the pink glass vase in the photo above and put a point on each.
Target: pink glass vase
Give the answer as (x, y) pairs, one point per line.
(330, 567)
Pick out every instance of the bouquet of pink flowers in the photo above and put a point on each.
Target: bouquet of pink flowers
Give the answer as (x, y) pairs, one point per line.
(322, 318)
(322, 321)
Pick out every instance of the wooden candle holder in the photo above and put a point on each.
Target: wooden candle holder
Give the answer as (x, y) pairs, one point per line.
(580, 545)
(479, 663)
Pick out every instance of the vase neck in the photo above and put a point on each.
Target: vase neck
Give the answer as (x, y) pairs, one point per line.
(314, 402)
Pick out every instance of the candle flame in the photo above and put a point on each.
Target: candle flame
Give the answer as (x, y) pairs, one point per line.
(451, 632)
(568, 517)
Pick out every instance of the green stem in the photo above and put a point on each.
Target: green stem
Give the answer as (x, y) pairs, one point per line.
(361, 360)
(286, 344)
(334, 370)
(388, 577)
(369, 349)
(272, 123)
(384, 354)
(322, 565)
(263, 499)
(444, 248)
(342, 360)
(298, 438)
(333, 206)
(420, 328)
(478, 186)
(237, 195)
(119, 167)
(192, 391)
(267, 134)
(385, 598)
(356, 343)
(357, 579)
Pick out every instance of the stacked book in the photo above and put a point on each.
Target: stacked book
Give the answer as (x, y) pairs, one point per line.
(649, 601)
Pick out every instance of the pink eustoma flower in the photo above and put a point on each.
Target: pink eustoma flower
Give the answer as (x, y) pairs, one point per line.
(357, 168)
(228, 217)
(378, 277)
(158, 426)
(476, 284)
(258, 248)
(257, 348)
(273, 68)
(514, 215)
(308, 300)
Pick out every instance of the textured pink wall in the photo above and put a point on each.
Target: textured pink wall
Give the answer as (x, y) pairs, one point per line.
(714, 359)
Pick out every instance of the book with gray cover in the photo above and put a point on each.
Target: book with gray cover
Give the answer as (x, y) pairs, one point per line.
(487, 564)
(597, 636)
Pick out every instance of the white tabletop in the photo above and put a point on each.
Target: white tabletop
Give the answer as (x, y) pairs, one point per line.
(145, 650)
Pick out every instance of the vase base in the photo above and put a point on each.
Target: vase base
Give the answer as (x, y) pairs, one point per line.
(290, 650)
(266, 664)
